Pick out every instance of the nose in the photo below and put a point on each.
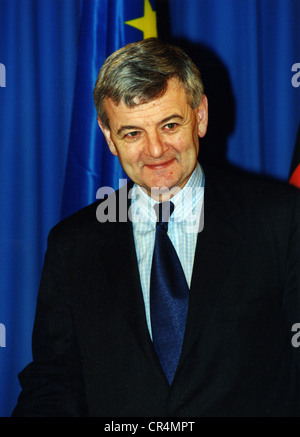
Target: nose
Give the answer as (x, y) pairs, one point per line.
(155, 146)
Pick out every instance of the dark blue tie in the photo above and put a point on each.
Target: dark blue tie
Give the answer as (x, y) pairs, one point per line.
(168, 295)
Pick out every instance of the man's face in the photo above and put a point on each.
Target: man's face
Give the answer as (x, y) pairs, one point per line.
(157, 142)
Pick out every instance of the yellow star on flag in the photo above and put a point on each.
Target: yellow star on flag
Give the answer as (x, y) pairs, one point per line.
(147, 23)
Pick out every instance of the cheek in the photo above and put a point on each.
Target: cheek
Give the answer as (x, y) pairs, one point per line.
(180, 144)
(186, 144)
(130, 158)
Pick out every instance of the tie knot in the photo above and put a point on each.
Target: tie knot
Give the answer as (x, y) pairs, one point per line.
(163, 211)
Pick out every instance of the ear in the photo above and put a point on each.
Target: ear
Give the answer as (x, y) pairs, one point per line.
(107, 134)
(202, 113)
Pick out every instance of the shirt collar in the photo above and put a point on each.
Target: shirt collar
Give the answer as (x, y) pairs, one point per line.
(185, 200)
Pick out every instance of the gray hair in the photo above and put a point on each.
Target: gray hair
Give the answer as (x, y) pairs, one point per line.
(139, 72)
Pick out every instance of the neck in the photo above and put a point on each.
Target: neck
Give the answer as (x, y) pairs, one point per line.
(163, 194)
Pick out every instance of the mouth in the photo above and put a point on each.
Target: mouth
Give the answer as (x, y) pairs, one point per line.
(160, 165)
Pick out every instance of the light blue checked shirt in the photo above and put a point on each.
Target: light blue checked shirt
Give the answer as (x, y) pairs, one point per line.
(184, 225)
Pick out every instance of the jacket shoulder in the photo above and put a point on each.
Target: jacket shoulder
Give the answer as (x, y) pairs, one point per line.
(252, 189)
(76, 223)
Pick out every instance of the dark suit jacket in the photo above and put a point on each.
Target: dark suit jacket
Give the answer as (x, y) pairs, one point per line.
(92, 354)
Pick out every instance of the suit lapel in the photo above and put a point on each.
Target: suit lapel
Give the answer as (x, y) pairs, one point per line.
(216, 247)
(121, 269)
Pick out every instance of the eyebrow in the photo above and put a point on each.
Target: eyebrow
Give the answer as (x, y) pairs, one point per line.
(171, 117)
(122, 128)
(165, 120)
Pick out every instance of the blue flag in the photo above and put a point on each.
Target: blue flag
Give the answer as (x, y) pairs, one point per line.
(106, 25)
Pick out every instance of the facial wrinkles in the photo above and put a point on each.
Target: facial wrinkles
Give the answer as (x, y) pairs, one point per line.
(147, 118)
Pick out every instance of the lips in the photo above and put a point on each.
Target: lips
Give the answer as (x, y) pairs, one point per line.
(160, 165)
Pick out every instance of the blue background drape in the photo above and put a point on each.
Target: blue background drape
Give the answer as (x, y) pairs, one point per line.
(102, 31)
(247, 48)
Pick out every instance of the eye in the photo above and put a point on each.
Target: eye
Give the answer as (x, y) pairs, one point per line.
(170, 126)
(132, 134)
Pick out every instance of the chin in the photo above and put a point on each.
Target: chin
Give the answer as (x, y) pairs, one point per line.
(163, 185)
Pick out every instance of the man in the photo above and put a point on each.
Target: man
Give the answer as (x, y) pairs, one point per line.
(109, 339)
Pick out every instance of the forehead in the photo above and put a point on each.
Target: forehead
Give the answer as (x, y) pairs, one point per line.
(173, 100)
